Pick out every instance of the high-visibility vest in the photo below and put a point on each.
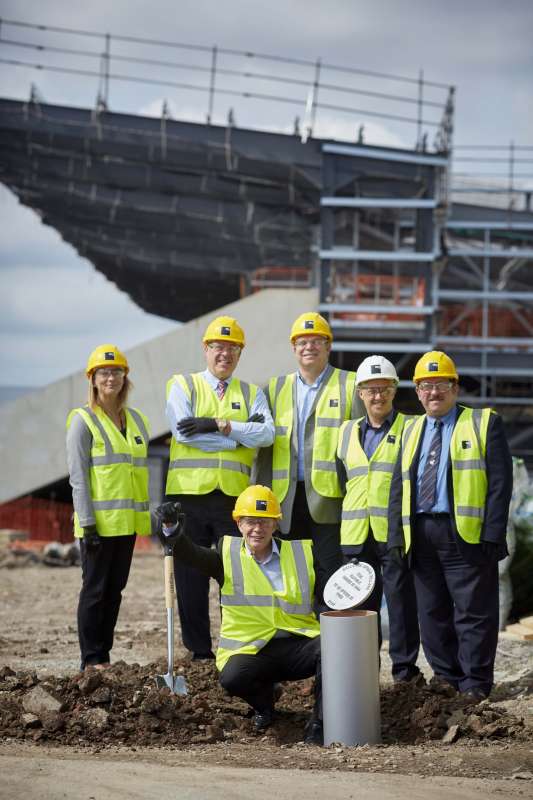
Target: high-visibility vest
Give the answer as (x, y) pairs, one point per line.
(118, 473)
(193, 471)
(468, 448)
(366, 503)
(252, 611)
(333, 406)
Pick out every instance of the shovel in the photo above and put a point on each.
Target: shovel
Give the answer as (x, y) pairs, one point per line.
(176, 683)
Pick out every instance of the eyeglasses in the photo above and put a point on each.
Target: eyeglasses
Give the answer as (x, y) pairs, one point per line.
(219, 347)
(262, 522)
(314, 341)
(442, 386)
(110, 373)
(374, 391)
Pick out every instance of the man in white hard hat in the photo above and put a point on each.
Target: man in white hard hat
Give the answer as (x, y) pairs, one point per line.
(368, 450)
(308, 407)
(217, 423)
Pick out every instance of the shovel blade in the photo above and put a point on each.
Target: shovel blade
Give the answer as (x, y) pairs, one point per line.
(176, 683)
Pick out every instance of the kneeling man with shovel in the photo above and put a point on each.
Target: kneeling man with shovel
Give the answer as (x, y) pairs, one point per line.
(269, 631)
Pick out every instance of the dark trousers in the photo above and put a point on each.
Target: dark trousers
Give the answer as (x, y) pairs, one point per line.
(252, 678)
(457, 605)
(325, 536)
(396, 580)
(105, 570)
(208, 517)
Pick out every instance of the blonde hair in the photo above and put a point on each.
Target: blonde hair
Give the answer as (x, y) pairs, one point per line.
(92, 397)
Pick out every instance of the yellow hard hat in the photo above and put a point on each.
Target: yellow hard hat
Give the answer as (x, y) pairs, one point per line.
(435, 364)
(311, 324)
(224, 329)
(106, 355)
(257, 501)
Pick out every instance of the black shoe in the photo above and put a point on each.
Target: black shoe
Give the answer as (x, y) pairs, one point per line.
(440, 685)
(475, 694)
(209, 656)
(263, 720)
(314, 732)
(417, 679)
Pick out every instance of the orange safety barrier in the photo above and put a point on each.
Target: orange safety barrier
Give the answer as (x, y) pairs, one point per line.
(278, 277)
(381, 290)
(457, 320)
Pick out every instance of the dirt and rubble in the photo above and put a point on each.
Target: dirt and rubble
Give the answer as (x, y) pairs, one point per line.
(46, 704)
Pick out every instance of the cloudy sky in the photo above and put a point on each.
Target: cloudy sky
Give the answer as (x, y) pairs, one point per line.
(54, 307)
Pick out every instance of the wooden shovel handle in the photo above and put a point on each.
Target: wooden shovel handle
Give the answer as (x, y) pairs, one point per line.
(170, 592)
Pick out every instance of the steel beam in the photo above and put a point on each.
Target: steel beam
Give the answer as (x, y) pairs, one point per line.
(384, 347)
(376, 202)
(348, 254)
(502, 341)
(492, 253)
(495, 226)
(494, 296)
(385, 155)
(360, 308)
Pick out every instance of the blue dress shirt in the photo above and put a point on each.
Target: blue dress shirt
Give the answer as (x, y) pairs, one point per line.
(441, 505)
(371, 437)
(305, 397)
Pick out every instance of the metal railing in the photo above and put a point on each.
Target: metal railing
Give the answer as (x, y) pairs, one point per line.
(314, 88)
(500, 174)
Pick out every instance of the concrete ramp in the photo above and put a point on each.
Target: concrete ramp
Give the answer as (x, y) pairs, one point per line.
(32, 429)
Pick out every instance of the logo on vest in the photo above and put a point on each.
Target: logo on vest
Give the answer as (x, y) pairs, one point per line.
(375, 369)
(260, 505)
(225, 331)
(236, 405)
(109, 356)
(309, 324)
(433, 366)
(466, 445)
(139, 439)
(391, 438)
(333, 403)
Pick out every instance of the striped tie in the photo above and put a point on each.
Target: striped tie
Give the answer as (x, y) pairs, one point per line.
(428, 484)
(221, 389)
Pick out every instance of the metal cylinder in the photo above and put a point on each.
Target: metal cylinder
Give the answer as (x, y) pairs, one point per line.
(350, 677)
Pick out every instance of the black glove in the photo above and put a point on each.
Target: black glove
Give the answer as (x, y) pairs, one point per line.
(397, 555)
(91, 537)
(256, 418)
(191, 425)
(168, 513)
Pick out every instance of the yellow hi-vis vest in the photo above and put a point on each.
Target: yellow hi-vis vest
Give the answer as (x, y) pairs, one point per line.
(333, 406)
(193, 471)
(469, 474)
(366, 503)
(118, 473)
(252, 611)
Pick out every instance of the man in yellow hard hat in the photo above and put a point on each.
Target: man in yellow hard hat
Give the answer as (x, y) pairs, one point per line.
(368, 450)
(308, 407)
(269, 631)
(449, 505)
(217, 423)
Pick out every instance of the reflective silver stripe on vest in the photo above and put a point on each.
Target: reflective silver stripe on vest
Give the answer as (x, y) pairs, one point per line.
(107, 441)
(281, 430)
(235, 644)
(245, 389)
(137, 461)
(192, 389)
(140, 424)
(120, 505)
(346, 434)
(209, 463)
(116, 458)
(382, 466)
(277, 389)
(358, 513)
(406, 520)
(357, 472)
(328, 466)
(280, 474)
(327, 422)
(375, 511)
(405, 475)
(239, 598)
(470, 511)
(477, 416)
(407, 431)
(472, 463)
(343, 377)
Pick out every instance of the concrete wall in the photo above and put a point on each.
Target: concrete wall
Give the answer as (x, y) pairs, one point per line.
(32, 429)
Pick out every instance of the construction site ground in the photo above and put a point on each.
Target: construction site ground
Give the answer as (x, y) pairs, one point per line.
(112, 734)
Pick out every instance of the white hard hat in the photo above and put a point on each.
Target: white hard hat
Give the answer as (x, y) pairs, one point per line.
(376, 367)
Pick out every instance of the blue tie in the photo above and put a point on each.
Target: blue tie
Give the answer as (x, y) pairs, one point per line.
(428, 484)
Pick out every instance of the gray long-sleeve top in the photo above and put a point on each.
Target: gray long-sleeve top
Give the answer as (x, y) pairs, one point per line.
(79, 445)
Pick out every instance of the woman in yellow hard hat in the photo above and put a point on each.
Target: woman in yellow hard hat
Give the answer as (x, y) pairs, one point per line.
(269, 631)
(107, 445)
